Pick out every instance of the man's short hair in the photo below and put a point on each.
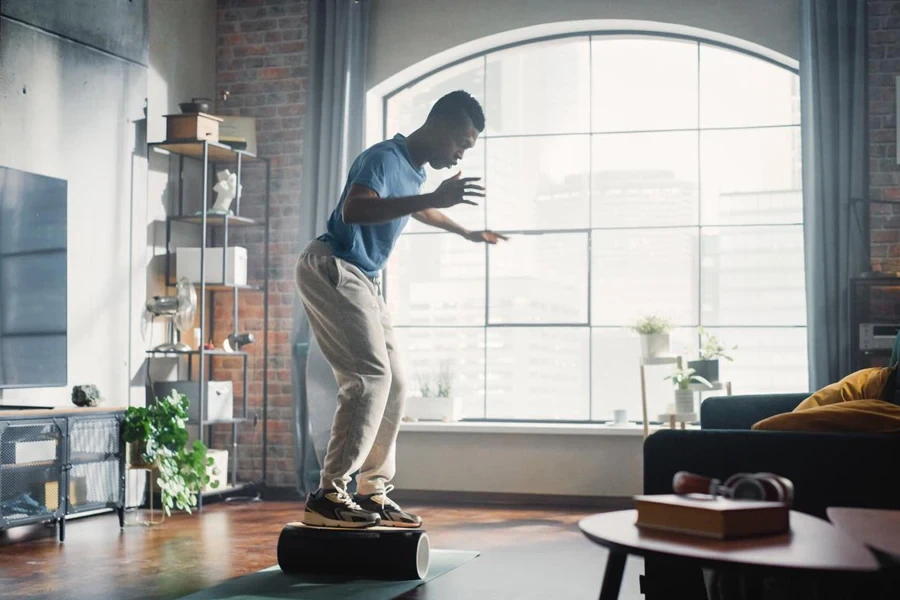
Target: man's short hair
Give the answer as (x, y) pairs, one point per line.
(453, 106)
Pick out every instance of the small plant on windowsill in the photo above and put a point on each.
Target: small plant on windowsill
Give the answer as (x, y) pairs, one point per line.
(424, 388)
(711, 351)
(436, 401)
(684, 395)
(654, 331)
(157, 439)
(444, 381)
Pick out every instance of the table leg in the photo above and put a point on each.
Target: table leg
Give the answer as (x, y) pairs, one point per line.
(612, 577)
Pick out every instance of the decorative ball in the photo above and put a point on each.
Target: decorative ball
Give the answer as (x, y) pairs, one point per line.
(86, 395)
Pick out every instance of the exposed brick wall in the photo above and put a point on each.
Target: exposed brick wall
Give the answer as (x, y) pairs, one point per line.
(261, 63)
(884, 172)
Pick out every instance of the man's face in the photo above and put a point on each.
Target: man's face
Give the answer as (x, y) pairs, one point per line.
(454, 142)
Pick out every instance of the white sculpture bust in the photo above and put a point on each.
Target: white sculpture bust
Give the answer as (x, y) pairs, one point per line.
(226, 190)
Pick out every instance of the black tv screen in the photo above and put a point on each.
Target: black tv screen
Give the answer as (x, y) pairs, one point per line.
(33, 279)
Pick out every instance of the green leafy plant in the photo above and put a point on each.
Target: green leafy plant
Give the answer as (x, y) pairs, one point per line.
(159, 432)
(652, 324)
(444, 381)
(684, 377)
(424, 387)
(711, 348)
(440, 385)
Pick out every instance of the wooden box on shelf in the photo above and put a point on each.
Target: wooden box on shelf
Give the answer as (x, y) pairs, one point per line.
(192, 126)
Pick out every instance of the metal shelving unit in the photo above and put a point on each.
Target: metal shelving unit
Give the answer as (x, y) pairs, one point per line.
(859, 302)
(211, 155)
(860, 309)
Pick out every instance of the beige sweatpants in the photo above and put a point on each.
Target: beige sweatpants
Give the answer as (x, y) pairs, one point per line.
(351, 323)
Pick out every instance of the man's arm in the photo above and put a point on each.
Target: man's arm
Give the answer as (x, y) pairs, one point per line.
(363, 205)
(436, 218)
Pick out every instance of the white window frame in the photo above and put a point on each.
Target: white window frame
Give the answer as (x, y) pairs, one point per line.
(379, 95)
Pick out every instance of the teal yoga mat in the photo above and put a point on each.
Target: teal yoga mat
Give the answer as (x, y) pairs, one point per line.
(272, 584)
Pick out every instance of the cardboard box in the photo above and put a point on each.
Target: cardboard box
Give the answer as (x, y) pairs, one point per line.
(77, 492)
(219, 397)
(192, 126)
(35, 451)
(220, 461)
(234, 128)
(187, 264)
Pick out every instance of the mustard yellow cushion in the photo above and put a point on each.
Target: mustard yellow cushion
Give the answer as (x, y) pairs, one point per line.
(861, 416)
(855, 403)
(866, 384)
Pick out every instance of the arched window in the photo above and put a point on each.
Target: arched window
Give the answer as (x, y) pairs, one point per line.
(636, 174)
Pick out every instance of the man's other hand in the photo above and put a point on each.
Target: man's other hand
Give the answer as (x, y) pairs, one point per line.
(488, 237)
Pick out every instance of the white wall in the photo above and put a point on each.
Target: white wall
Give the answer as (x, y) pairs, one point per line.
(589, 464)
(405, 32)
(412, 37)
(94, 137)
(70, 111)
(182, 66)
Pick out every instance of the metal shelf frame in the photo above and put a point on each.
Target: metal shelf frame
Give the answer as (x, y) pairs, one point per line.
(859, 304)
(210, 155)
(859, 292)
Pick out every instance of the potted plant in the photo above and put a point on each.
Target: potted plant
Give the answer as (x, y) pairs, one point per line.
(435, 402)
(654, 331)
(711, 350)
(157, 437)
(684, 396)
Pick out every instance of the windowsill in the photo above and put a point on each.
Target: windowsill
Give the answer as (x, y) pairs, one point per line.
(632, 429)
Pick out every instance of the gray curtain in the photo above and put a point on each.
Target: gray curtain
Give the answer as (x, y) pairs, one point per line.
(835, 175)
(333, 136)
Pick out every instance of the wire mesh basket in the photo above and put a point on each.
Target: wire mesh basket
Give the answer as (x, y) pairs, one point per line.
(31, 461)
(95, 478)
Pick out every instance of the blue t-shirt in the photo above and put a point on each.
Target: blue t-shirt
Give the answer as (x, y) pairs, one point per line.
(387, 169)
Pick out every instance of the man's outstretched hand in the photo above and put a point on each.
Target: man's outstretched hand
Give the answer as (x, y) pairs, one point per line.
(456, 190)
(484, 236)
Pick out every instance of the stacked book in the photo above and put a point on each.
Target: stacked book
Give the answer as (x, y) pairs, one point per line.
(712, 516)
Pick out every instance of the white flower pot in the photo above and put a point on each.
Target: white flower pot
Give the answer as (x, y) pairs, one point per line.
(684, 402)
(433, 409)
(655, 345)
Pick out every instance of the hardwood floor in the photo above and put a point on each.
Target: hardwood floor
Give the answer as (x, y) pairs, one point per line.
(525, 553)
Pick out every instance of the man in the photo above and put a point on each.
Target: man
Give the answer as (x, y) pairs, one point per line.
(338, 277)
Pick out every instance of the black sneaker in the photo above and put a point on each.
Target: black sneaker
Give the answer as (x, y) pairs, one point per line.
(390, 512)
(336, 508)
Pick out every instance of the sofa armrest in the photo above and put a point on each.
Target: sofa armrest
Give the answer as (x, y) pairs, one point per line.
(741, 412)
(828, 469)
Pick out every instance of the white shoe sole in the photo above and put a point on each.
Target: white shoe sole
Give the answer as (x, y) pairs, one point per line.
(400, 525)
(316, 520)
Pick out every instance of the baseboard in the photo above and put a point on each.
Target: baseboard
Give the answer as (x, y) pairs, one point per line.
(455, 498)
(507, 499)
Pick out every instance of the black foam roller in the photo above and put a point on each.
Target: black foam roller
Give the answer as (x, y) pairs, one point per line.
(373, 553)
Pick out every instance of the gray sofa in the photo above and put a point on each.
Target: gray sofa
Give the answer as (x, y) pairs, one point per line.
(828, 469)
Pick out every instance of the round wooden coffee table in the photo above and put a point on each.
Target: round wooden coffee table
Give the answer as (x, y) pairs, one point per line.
(876, 528)
(812, 545)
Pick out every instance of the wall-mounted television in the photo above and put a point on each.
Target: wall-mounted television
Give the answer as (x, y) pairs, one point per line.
(33, 280)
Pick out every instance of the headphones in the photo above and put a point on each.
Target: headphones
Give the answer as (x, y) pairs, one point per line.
(740, 486)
